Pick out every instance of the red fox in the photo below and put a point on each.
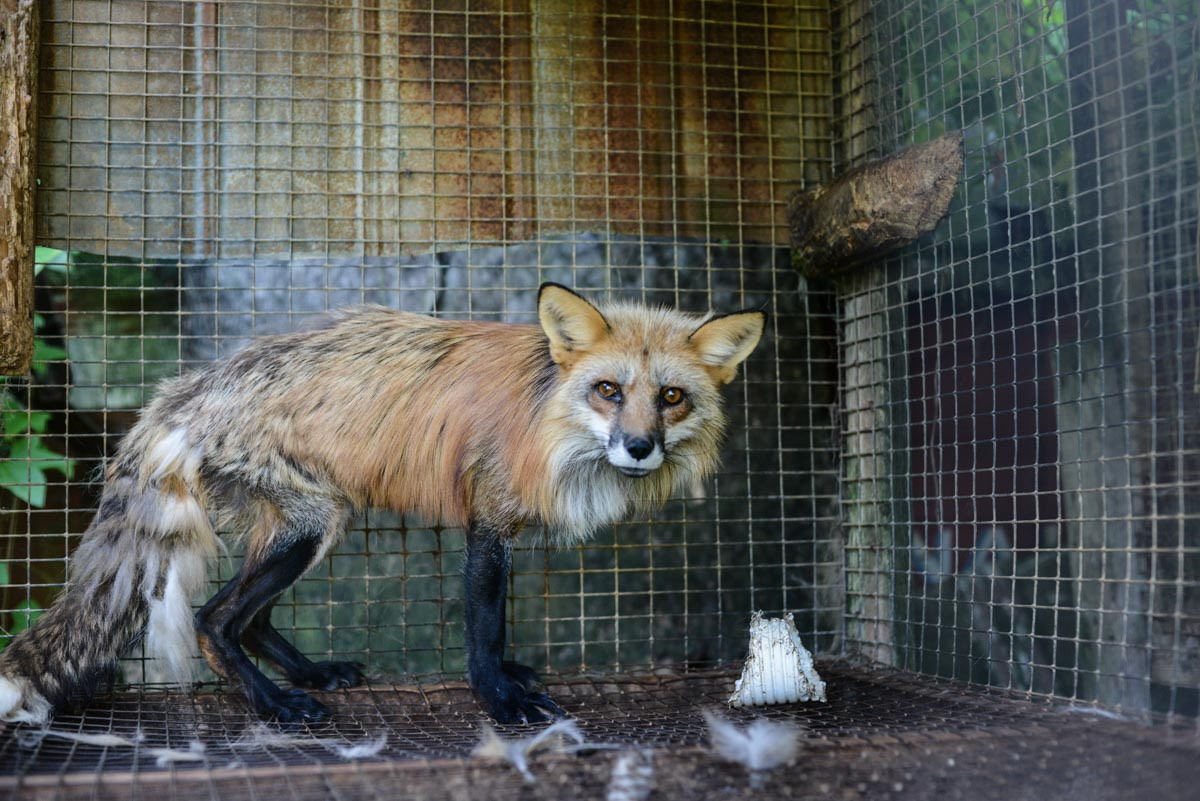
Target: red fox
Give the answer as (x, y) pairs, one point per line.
(573, 424)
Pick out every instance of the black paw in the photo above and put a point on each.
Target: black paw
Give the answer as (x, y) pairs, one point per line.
(527, 677)
(510, 697)
(292, 707)
(330, 676)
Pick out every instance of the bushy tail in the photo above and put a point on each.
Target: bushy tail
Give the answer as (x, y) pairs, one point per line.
(131, 574)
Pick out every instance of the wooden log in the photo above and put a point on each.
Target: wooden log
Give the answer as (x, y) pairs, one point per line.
(874, 208)
(18, 74)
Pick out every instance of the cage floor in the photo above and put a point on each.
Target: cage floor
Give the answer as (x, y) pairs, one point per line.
(882, 734)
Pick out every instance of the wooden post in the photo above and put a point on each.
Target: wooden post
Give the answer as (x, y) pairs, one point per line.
(18, 76)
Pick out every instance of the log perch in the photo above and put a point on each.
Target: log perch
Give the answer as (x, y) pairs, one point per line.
(18, 74)
(874, 208)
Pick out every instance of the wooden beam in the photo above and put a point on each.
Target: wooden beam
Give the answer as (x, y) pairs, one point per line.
(874, 208)
(18, 75)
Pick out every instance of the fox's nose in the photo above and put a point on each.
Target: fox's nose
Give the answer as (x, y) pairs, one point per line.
(639, 447)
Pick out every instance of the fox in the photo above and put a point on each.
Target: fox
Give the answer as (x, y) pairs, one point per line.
(594, 412)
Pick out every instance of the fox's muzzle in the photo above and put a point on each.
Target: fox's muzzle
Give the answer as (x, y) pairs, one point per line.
(635, 455)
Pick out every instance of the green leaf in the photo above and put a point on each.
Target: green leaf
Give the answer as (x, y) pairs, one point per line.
(23, 473)
(51, 259)
(25, 615)
(44, 352)
(34, 494)
(42, 457)
(24, 480)
(16, 422)
(38, 422)
(3, 574)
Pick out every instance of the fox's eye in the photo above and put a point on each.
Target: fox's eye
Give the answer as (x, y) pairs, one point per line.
(671, 395)
(609, 390)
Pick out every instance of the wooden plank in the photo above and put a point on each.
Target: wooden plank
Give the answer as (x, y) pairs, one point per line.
(18, 91)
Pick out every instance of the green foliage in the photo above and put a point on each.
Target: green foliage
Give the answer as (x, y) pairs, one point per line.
(25, 459)
(997, 72)
(123, 330)
(24, 470)
(24, 616)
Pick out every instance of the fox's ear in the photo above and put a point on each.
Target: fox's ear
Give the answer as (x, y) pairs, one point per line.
(572, 324)
(724, 342)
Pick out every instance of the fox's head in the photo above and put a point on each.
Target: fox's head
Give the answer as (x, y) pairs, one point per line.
(641, 386)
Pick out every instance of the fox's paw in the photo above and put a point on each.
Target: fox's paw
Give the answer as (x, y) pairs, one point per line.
(293, 707)
(331, 676)
(527, 677)
(510, 696)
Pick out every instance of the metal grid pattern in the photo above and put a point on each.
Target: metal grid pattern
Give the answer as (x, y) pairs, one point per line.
(213, 171)
(1022, 414)
(881, 734)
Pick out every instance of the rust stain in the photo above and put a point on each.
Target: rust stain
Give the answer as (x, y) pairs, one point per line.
(467, 121)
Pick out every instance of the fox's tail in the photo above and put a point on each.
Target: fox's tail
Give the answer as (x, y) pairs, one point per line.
(142, 560)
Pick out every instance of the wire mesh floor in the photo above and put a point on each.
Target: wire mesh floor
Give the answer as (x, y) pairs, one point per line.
(882, 734)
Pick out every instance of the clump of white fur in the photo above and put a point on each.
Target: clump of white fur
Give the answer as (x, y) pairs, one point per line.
(763, 745)
(260, 736)
(163, 757)
(20, 703)
(516, 751)
(170, 631)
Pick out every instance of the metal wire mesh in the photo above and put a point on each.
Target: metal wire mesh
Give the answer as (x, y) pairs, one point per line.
(210, 172)
(881, 734)
(1021, 423)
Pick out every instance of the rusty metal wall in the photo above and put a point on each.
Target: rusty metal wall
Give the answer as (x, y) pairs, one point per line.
(336, 129)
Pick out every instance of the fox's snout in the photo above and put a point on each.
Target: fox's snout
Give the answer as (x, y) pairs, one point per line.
(634, 455)
(638, 447)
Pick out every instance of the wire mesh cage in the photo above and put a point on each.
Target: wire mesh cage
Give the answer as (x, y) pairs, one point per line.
(1028, 374)
(977, 460)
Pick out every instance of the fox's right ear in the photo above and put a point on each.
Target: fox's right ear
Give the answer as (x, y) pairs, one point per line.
(571, 323)
(724, 342)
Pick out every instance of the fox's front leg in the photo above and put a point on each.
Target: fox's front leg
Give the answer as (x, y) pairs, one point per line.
(506, 688)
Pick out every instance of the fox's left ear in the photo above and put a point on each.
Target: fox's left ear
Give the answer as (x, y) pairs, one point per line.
(572, 324)
(724, 342)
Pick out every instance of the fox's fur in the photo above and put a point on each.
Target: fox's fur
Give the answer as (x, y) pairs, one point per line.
(485, 425)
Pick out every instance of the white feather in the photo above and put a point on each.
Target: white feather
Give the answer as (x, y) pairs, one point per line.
(632, 777)
(516, 751)
(367, 748)
(763, 745)
(164, 757)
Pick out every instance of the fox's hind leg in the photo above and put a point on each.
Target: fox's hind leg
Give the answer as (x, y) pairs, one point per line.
(264, 640)
(506, 688)
(274, 563)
